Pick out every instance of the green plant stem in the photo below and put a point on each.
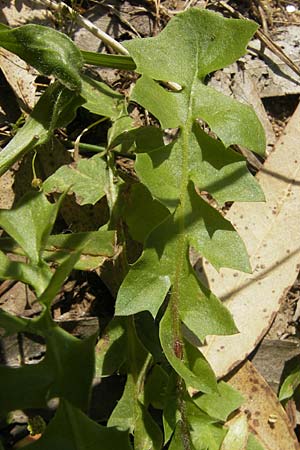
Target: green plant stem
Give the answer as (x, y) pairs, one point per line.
(181, 250)
(186, 436)
(121, 62)
(77, 140)
(84, 147)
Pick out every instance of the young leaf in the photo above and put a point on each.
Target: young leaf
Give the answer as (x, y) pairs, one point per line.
(48, 50)
(55, 108)
(73, 430)
(87, 179)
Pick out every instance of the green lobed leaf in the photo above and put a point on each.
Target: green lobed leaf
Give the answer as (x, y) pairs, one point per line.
(191, 425)
(142, 213)
(37, 276)
(11, 324)
(171, 414)
(72, 361)
(237, 435)
(121, 126)
(48, 50)
(131, 413)
(142, 139)
(186, 58)
(178, 442)
(220, 404)
(55, 108)
(66, 370)
(87, 179)
(212, 167)
(148, 435)
(110, 355)
(73, 430)
(100, 99)
(124, 415)
(165, 263)
(206, 432)
(98, 246)
(175, 173)
(186, 359)
(155, 387)
(59, 277)
(30, 222)
(207, 436)
(148, 332)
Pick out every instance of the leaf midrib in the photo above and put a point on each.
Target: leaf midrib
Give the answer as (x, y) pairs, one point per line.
(181, 241)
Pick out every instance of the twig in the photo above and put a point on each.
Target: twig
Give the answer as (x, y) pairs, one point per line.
(87, 24)
(266, 41)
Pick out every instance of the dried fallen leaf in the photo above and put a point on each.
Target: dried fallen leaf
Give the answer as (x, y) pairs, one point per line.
(267, 419)
(271, 233)
(20, 77)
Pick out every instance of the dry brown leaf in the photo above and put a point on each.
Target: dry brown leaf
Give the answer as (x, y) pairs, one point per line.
(20, 77)
(271, 233)
(266, 417)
